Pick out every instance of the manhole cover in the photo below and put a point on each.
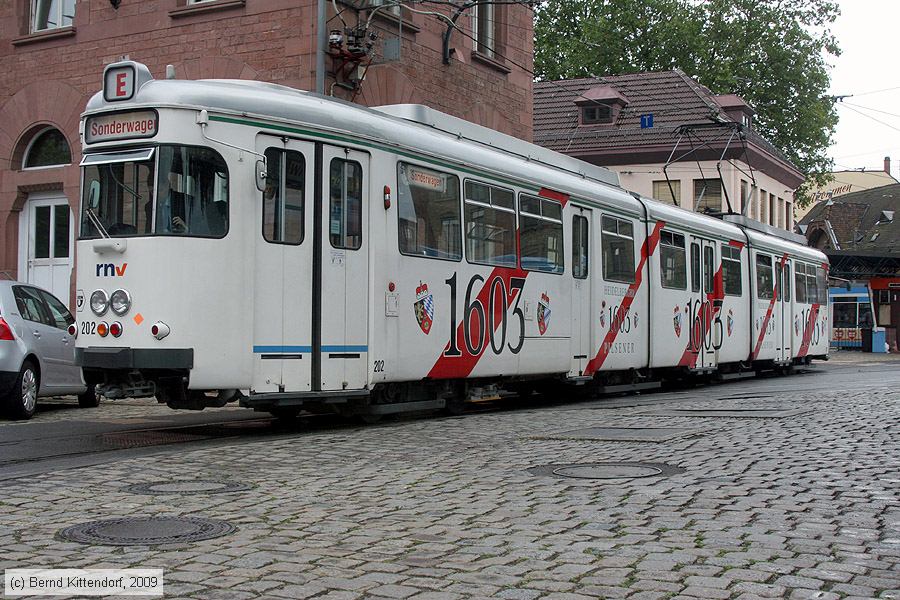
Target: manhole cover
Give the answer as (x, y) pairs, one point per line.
(187, 487)
(610, 470)
(607, 471)
(147, 531)
(737, 413)
(628, 434)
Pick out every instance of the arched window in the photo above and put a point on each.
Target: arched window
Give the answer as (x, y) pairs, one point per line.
(48, 148)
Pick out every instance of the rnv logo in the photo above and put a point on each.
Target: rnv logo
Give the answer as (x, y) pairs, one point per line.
(111, 270)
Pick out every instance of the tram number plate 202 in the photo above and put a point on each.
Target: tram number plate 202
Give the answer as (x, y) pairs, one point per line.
(88, 328)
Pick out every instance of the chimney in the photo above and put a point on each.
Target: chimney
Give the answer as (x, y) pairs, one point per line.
(887, 165)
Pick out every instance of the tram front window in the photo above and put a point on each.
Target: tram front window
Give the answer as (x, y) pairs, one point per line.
(169, 190)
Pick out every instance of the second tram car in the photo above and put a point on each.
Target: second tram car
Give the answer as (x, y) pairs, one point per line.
(246, 241)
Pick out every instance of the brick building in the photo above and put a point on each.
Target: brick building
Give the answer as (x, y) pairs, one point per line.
(52, 55)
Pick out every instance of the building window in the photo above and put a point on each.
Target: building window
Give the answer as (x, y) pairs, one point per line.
(788, 216)
(596, 114)
(51, 14)
(763, 213)
(484, 28)
(49, 148)
(391, 7)
(773, 216)
(664, 193)
(745, 195)
(428, 211)
(707, 195)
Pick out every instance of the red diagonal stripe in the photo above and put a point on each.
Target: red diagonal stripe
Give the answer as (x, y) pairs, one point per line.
(554, 195)
(807, 333)
(689, 358)
(647, 250)
(451, 367)
(765, 325)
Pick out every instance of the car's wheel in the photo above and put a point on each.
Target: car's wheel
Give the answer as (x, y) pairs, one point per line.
(89, 399)
(22, 399)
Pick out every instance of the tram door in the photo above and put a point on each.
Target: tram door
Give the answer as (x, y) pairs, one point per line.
(343, 344)
(582, 323)
(706, 327)
(283, 277)
(782, 313)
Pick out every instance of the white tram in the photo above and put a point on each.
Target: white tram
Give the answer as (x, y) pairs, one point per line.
(246, 241)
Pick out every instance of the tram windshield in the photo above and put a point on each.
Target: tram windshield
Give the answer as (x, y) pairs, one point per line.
(165, 190)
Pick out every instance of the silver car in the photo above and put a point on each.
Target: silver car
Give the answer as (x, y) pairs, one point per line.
(37, 350)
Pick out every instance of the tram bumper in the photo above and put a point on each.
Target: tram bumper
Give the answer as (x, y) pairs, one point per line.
(135, 358)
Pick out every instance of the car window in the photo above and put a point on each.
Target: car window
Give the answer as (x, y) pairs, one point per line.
(61, 316)
(30, 305)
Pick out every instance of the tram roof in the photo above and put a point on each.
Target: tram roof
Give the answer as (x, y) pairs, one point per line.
(391, 124)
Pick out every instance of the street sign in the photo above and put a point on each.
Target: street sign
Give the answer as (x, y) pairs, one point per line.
(647, 121)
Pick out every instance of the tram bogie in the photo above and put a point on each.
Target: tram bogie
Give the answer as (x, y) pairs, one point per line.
(261, 245)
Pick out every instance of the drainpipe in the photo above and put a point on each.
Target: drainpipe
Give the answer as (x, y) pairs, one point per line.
(321, 40)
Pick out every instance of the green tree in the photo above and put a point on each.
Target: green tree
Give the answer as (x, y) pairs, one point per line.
(772, 53)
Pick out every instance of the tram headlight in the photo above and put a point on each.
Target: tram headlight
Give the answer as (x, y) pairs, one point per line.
(99, 302)
(120, 302)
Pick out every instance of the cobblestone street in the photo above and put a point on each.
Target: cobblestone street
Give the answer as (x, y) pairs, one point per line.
(777, 493)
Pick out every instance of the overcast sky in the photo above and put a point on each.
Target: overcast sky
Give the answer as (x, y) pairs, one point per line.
(868, 68)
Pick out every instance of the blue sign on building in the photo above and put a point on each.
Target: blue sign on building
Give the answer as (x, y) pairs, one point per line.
(647, 121)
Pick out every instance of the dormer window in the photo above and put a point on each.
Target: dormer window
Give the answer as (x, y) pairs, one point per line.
(596, 114)
(600, 105)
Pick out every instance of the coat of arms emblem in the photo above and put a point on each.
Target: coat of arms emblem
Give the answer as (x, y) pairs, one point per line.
(676, 320)
(729, 322)
(424, 307)
(543, 313)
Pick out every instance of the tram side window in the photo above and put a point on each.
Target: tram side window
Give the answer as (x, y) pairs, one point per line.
(800, 282)
(709, 269)
(618, 250)
(345, 204)
(765, 283)
(490, 225)
(812, 290)
(580, 248)
(778, 278)
(428, 212)
(787, 282)
(283, 205)
(673, 260)
(695, 268)
(731, 270)
(541, 234)
(193, 192)
(822, 285)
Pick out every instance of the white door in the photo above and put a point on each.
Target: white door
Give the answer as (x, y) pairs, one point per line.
(343, 341)
(783, 309)
(282, 344)
(46, 243)
(582, 324)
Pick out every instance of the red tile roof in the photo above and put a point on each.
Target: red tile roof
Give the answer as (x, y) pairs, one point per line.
(672, 97)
